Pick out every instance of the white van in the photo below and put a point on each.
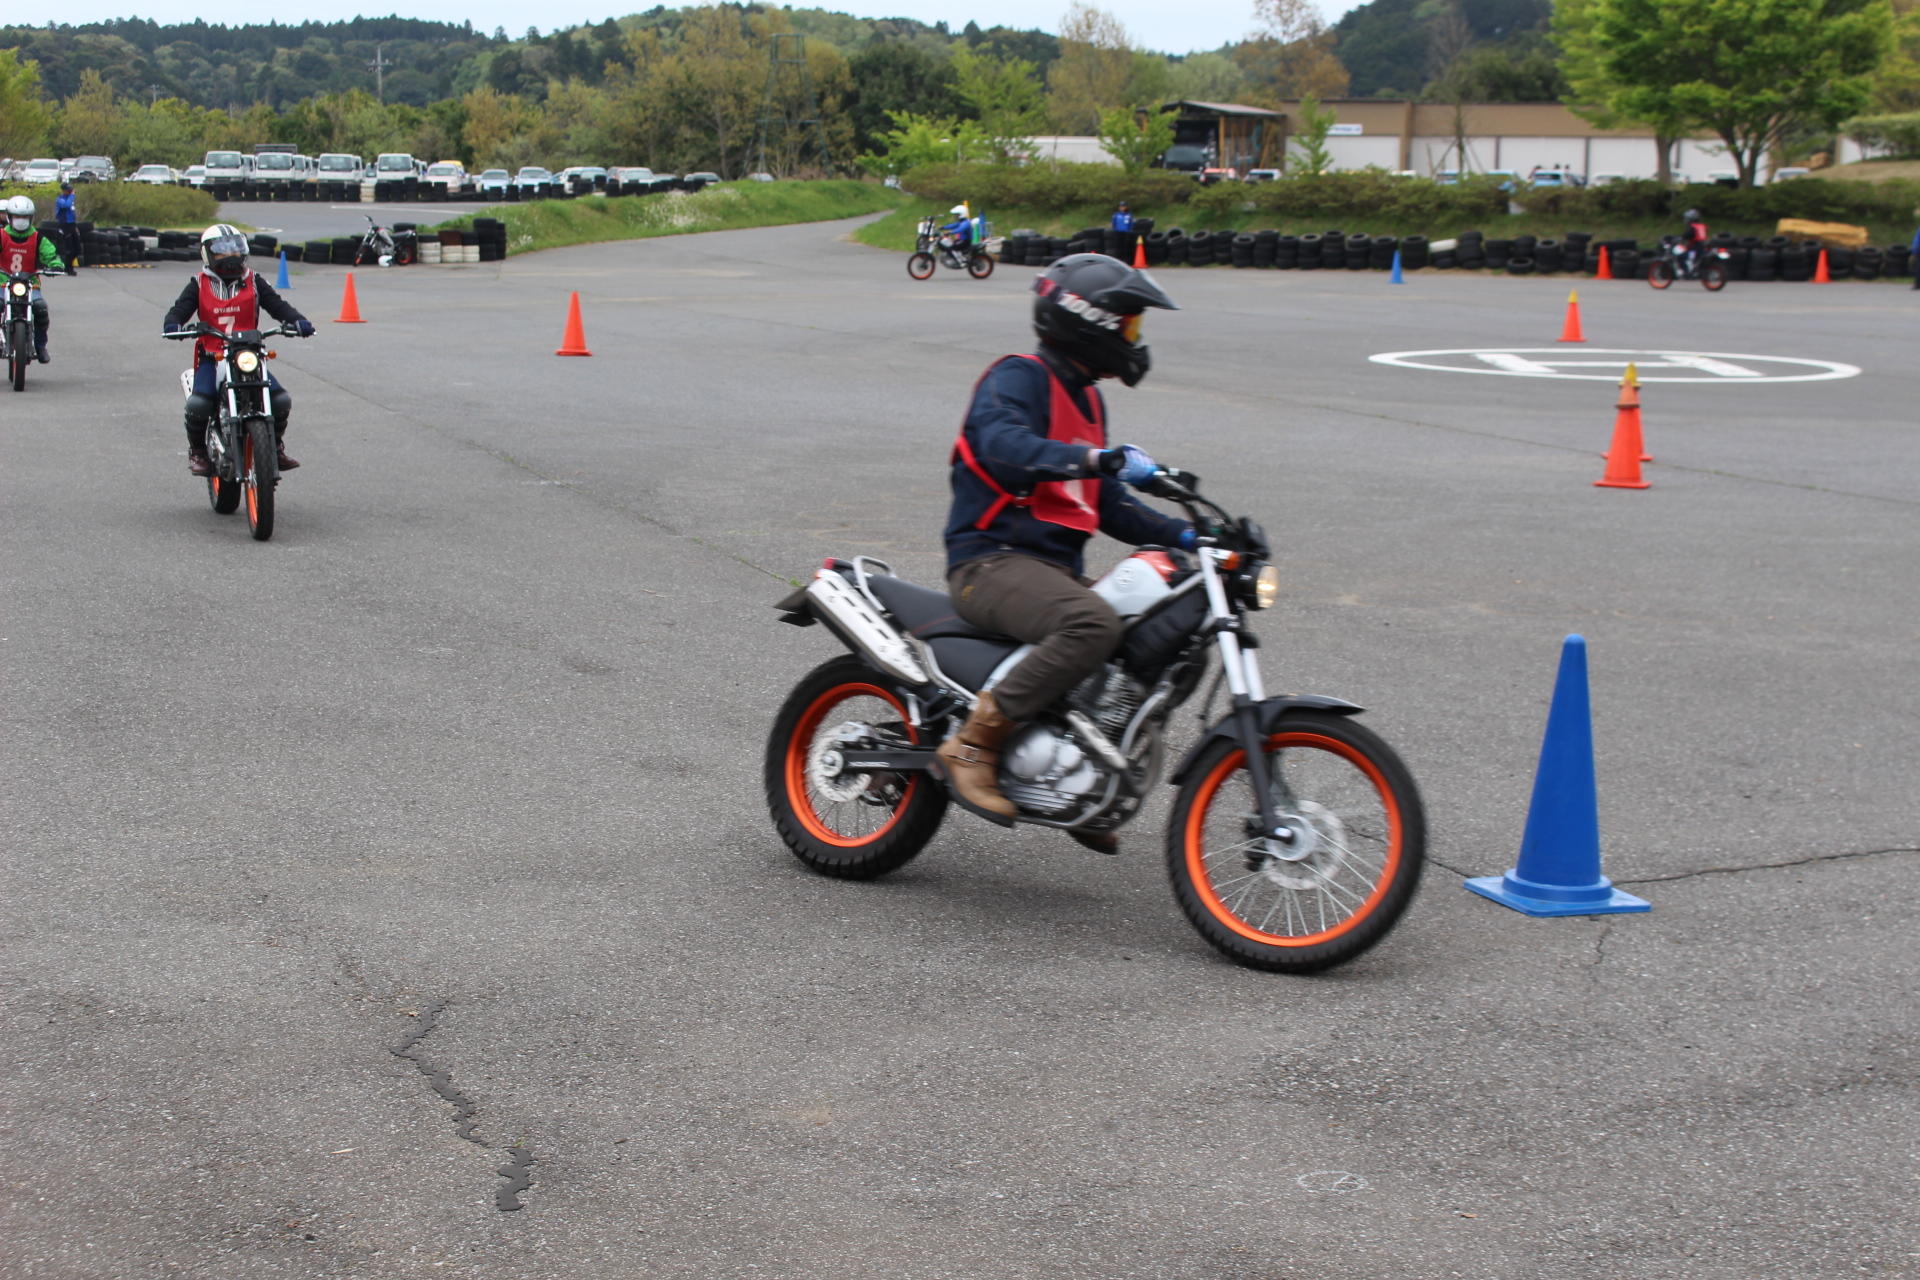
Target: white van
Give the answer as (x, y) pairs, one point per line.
(397, 166)
(280, 168)
(225, 167)
(336, 166)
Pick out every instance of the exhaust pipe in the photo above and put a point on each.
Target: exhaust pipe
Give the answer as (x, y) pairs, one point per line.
(854, 619)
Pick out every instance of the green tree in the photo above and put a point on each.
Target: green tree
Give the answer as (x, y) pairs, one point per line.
(1753, 71)
(1093, 72)
(1136, 138)
(23, 113)
(915, 140)
(1591, 92)
(1004, 95)
(1310, 153)
(90, 120)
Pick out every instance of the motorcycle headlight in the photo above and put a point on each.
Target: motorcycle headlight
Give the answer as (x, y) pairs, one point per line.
(247, 361)
(19, 289)
(1266, 588)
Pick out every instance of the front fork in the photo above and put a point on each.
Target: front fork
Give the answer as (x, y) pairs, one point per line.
(1242, 672)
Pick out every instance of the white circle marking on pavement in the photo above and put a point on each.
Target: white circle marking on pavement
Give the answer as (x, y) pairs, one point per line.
(1606, 364)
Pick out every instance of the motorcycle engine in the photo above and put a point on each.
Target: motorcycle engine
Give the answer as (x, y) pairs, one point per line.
(1044, 771)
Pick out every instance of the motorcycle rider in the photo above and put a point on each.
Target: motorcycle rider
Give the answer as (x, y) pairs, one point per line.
(24, 251)
(1032, 479)
(228, 295)
(957, 236)
(1693, 238)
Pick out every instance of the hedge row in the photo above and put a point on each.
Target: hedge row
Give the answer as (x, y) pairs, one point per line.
(133, 203)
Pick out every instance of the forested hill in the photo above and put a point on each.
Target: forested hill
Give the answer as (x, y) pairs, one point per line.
(1392, 48)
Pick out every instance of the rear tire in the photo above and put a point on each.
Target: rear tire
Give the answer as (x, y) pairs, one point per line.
(259, 474)
(980, 266)
(1360, 824)
(1713, 276)
(920, 266)
(872, 823)
(1660, 274)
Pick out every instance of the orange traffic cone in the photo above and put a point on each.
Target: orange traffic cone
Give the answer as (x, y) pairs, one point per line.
(1623, 458)
(1820, 275)
(349, 305)
(574, 343)
(1606, 270)
(1571, 331)
(1139, 252)
(1630, 400)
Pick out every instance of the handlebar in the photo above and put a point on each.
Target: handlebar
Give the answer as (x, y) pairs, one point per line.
(1209, 519)
(244, 337)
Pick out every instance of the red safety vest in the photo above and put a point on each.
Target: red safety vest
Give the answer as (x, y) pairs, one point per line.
(1072, 503)
(20, 257)
(241, 311)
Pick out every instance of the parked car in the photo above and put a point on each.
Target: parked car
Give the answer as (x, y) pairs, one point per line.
(581, 177)
(1544, 177)
(450, 174)
(759, 177)
(1724, 177)
(38, 172)
(160, 175)
(227, 167)
(281, 168)
(1508, 179)
(194, 175)
(629, 175)
(531, 176)
(97, 169)
(1791, 171)
(1263, 175)
(698, 180)
(337, 166)
(396, 166)
(1604, 179)
(493, 182)
(1209, 177)
(1185, 157)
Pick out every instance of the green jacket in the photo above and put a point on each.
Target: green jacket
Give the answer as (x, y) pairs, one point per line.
(50, 259)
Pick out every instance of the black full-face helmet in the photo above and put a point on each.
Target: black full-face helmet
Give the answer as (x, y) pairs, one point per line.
(224, 249)
(1088, 306)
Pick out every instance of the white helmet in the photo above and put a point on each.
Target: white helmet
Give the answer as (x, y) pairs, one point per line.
(224, 249)
(959, 209)
(20, 214)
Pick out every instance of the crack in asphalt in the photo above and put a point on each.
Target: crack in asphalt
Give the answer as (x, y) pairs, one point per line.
(518, 1171)
(1771, 866)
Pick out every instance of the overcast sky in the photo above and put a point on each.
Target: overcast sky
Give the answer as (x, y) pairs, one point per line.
(1154, 24)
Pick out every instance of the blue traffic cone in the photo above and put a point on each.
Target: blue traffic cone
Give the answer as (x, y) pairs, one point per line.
(281, 283)
(1396, 277)
(1558, 873)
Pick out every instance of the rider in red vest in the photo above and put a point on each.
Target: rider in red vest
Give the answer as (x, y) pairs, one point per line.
(1032, 480)
(1693, 238)
(25, 252)
(229, 296)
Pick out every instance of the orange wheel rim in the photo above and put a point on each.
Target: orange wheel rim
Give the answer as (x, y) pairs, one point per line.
(801, 742)
(253, 481)
(1194, 842)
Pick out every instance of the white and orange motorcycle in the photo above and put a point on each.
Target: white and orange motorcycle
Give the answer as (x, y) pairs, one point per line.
(1297, 837)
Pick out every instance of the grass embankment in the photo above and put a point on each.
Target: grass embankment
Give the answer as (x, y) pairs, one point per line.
(728, 206)
(896, 230)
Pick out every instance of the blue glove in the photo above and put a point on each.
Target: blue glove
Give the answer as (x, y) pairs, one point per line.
(1189, 538)
(303, 327)
(1129, 464)
(169, 327)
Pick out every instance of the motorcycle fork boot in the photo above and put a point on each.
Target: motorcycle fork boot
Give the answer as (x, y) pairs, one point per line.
(1253, 743)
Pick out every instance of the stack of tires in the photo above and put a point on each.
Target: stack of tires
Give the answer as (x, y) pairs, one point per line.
(491, 233)
(1013, 249)
(1380, 256)
(1156, 248)
(317, 252)
(1414, 254)
(1472, 250)
(1359, 252)
(1286, 252)
(1896, 261)
(1306, 251)
(1333, 250)
(1796, 264)
(1201, 246)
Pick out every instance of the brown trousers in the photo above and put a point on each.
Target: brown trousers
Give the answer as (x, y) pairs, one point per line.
(1039, 602)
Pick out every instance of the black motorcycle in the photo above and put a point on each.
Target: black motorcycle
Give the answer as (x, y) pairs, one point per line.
(380, 247)
(931, 248)
(240, 439)
(1711, 266)
(16, 329)
(1297, 837)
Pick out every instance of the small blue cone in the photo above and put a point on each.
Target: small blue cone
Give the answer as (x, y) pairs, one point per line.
(1558, 873)
(281, 283)
(1396, 277)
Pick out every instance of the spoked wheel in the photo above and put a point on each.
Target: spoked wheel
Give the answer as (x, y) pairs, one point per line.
(1338, 886)
(19, 355)
(920, 266)
(223, 494)
(1660, 274)
(980, 266)
(1713, 276)
(403, 254)
(853, 825)
(259, 474)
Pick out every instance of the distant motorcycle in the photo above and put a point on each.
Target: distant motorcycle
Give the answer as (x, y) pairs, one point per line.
(1712, 269)
(932, 248)
(240, 439)
(383, 248)
(16, 329)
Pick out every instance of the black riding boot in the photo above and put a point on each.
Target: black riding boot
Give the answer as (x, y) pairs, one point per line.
(198, 463)
(287, 461)
(40, 343)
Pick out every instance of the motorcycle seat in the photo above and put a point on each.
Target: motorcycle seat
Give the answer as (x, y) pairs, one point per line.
(927, 614)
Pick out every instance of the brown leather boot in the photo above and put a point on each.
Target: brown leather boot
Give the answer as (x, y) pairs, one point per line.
(972, 758)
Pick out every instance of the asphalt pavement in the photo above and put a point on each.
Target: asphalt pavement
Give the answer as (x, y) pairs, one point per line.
(426, 841)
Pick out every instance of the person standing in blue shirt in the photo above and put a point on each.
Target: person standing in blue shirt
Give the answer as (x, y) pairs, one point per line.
(1122, 220)
(1914, 250)
(67, 221)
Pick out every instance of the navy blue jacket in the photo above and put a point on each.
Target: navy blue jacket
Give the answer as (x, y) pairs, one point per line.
(1007, 429)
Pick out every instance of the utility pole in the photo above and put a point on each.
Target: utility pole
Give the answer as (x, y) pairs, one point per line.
(379, 66)
(810, 109)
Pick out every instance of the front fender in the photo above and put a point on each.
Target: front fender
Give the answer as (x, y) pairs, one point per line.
(1269, 712)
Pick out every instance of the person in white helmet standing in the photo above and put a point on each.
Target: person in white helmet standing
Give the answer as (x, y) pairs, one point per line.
(228, 295)
(25, 252)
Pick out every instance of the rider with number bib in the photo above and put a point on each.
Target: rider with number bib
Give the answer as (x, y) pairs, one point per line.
(228, 295)
(1032, 480)
(26, 252)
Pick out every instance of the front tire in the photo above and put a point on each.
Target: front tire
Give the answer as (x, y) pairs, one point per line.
(19, 354)
(980, 266)
(920, 266)
(1660, 274)
(853, 827)
(1713, 276)
(259, 475)
(1361, 834)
